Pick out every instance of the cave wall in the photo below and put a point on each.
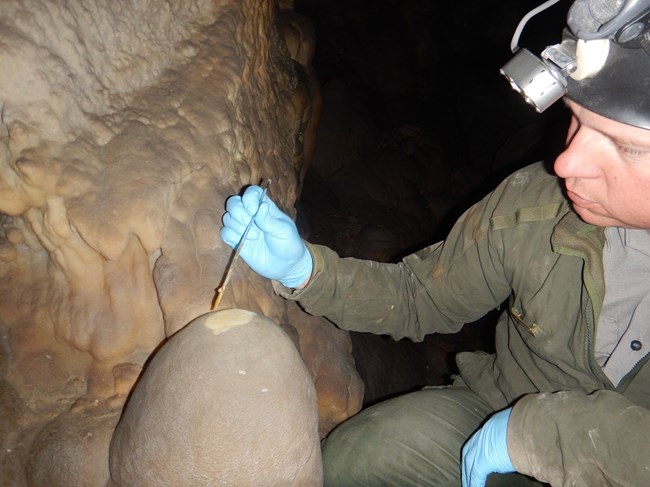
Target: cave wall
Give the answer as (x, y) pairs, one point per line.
(124, 127)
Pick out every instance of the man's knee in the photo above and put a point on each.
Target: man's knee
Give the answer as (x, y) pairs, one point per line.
(414, 439)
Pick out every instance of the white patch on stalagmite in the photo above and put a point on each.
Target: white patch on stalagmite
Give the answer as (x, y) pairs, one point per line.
(222, 321)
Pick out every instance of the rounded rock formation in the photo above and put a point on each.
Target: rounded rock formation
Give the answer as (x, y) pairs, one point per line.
(226, 401)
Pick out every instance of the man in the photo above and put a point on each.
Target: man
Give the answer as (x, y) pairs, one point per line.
(566, 397)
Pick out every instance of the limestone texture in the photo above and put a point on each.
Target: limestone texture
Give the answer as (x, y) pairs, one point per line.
(124, 126)
(226, 401)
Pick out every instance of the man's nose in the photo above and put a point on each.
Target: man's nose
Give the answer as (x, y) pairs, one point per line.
(581, 157)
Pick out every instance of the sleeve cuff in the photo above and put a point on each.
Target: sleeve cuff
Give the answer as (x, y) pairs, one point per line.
(295, 294)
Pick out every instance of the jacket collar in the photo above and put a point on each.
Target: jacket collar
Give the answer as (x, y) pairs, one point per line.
(572, 236)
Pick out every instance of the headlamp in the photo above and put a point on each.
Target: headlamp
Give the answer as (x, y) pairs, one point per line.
(542, 81)
(586, 65)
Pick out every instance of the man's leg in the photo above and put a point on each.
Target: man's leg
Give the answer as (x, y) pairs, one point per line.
(411, 440)
(414, 439)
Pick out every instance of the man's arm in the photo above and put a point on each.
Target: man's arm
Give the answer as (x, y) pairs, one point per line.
(572, 438)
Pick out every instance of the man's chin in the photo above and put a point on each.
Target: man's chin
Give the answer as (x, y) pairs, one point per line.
(592, 218)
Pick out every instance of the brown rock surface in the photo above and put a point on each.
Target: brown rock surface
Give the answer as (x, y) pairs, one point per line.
(226, 401)
(124, 127)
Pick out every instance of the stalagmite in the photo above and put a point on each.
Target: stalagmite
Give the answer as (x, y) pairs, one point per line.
(226, 401)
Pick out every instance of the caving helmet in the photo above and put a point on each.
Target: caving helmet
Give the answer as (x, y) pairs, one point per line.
(602, 63)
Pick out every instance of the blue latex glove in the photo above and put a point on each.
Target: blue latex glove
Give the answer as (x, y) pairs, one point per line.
(273, 246)
(487, 451)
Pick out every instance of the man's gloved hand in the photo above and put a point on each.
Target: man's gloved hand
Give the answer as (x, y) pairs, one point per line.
(487, 451)
(273, 246)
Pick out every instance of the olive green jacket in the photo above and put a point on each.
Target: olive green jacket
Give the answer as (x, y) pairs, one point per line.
(523, 243)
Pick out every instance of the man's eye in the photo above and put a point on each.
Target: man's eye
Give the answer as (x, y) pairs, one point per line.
(634, 151)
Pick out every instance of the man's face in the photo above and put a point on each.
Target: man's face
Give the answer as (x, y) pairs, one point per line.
(606, 168)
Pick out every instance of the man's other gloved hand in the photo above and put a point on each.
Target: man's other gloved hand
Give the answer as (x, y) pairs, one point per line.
(487, 451)
(273, 246)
